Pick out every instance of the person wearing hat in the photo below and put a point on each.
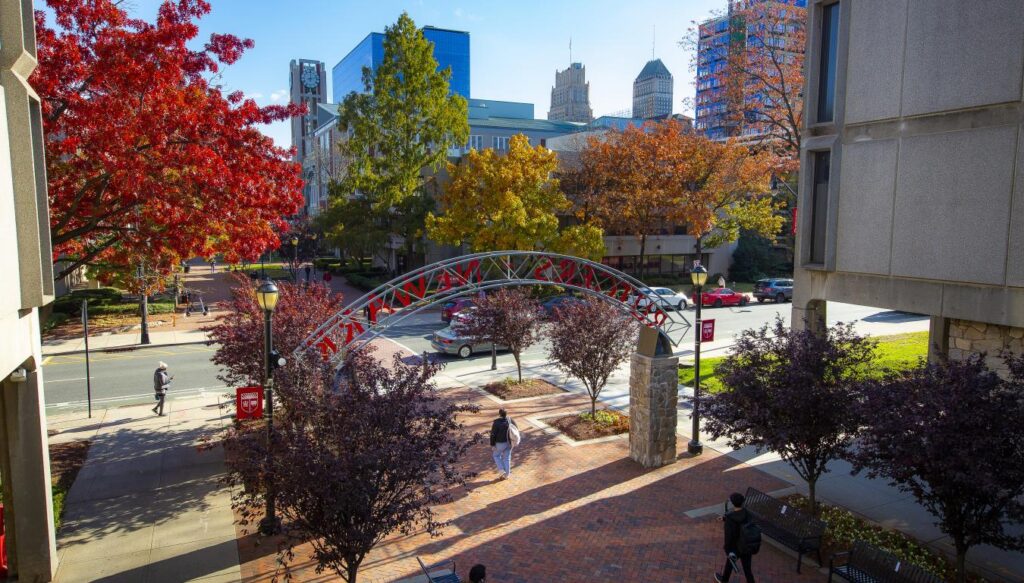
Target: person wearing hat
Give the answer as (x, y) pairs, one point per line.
(734, 521)
(161, 383)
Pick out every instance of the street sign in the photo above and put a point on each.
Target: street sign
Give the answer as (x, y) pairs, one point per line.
(707, 331)
(249, 402)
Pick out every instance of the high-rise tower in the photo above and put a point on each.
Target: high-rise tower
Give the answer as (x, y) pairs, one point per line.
(308, 84)
(652, 91)
(570, 97)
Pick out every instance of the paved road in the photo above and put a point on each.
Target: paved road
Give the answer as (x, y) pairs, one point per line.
(415, 332)
(126, 377)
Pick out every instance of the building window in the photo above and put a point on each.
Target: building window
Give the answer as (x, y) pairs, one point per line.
(819, 206)
(476, 143)
(500, 143)
(827, 66)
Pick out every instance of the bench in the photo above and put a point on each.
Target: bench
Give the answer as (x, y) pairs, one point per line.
(785, 524)
(446, 576)
(868, 564)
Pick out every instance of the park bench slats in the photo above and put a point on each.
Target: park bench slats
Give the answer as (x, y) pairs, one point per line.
(866, 563)
(790, 527)
(450, 577)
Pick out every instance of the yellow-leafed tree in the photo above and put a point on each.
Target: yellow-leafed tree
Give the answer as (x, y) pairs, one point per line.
(509, 201)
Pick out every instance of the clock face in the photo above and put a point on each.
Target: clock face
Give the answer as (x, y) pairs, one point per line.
(310, 78)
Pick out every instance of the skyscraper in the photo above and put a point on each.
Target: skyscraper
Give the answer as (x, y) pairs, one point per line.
(652, 91)
(451, 49)
(308, 85)
(730, 36)
(570, 97)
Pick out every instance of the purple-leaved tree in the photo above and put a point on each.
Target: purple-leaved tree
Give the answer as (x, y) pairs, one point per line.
(589, 341)
(508, 317)
(792, 393)
(356, 464)
(950, 434)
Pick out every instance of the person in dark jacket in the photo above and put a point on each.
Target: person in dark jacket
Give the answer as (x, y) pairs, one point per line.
(478, 574)
(734, 522)
(161, 383)
(501, 447)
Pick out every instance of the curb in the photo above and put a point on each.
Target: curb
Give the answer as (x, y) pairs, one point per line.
(125, 347)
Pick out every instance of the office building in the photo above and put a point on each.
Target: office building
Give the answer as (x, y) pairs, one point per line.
(652, 91)
(451, 49)
(570, 97)
(28, 286)
(307, 82)
(729, 36)
(912, 170)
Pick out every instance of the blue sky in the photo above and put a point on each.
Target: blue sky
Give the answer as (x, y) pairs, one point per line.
(515, 46)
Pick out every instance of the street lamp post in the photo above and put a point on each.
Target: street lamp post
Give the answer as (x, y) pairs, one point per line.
(295, 258)
(266, 297)
(699, 275)
(143, 304)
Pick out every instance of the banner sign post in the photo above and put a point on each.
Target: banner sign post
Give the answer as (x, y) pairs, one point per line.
(249, 402)
(707, 331)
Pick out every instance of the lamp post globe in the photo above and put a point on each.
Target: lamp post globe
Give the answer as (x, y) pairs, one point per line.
(699, 276)
(267, 295)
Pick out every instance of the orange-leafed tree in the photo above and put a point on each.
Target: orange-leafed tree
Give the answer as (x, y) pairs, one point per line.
(645, 181)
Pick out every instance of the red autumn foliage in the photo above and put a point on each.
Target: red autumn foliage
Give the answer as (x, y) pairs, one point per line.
(508, 317)
(147, 159)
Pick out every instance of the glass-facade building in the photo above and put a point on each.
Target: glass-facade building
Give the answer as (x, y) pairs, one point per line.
(451, 49)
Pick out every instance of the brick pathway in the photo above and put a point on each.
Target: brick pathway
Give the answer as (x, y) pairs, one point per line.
(586, 513)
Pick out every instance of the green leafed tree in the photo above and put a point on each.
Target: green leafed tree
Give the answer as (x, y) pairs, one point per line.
(399, 131)
(498, 201)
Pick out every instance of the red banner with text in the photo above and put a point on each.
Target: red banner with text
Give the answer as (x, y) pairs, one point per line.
(249, 402)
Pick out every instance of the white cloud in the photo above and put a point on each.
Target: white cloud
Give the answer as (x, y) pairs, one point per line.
(463, 15)
(256, 95)
(278, 95)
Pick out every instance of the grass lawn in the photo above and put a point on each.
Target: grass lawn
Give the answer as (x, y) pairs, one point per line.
(896, 351)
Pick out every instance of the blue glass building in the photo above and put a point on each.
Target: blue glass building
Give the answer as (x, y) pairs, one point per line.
(451, 49)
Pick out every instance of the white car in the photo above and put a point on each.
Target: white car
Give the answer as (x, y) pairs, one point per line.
(663, 297)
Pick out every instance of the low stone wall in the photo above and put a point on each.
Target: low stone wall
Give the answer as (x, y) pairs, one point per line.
(967, 337)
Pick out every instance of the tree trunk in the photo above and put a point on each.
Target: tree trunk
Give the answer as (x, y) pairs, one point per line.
(519, 367)
(812, 486)
(961, 562)
(593, 405)
(643, 251)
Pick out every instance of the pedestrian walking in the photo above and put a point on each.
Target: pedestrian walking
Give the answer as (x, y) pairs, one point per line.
(213, 266)
(505, 436)
(742, 539)
(477, 574)
(308, 269)
(161, 384)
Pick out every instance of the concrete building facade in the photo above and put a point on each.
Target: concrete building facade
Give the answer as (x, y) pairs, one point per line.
(912, 169)
(570, 97)
(652, 91)
(28, 285)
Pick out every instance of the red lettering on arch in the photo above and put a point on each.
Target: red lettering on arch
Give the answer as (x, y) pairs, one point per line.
(544, 265)
(566, 269)
(418, 288)
(469, 271)
(327, 347)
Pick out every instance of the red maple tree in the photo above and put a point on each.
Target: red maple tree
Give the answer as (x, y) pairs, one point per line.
(148, 161)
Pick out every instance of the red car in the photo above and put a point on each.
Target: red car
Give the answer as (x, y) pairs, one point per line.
(452, 307)
(723, 297)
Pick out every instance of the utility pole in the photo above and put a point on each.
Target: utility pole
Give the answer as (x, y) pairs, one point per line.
(143, 303)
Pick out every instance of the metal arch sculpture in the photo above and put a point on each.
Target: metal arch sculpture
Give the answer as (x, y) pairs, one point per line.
(408, 294)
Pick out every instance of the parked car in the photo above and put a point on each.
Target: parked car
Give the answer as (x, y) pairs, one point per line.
(449, 341)
(452, 307)
(723, 296)
(552, 305)
(780, 290)
(663, 297)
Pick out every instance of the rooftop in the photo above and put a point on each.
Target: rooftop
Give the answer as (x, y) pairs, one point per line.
(654, 68)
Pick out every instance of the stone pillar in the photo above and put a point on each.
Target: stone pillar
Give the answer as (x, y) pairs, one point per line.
(938, 339)
(653, 397)
(25, 462)
(811, 317)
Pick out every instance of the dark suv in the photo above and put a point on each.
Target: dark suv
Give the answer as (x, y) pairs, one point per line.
(779, 290)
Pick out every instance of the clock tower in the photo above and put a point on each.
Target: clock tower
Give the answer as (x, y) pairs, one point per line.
(308, 84)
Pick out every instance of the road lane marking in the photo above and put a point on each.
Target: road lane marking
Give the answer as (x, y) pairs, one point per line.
(48, 381)
(171, 395)
(46, 360)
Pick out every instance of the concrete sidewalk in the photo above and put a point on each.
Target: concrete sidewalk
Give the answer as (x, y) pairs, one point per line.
(113, 341)
(148, 505)
(872, 499)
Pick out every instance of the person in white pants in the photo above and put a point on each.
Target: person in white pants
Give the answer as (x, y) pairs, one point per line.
(501, 444)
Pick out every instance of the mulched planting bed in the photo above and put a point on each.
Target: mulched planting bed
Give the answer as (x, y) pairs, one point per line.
(580, 427)
(509, 389)
(65, 461)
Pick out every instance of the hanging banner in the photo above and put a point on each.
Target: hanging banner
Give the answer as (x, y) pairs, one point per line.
(249, 402)
(707, 331)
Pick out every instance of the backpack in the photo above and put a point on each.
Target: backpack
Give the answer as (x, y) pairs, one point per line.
(514, 435)
(749, 542)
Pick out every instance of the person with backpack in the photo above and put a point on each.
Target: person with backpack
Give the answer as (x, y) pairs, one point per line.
(742, 540)
(504, 437)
